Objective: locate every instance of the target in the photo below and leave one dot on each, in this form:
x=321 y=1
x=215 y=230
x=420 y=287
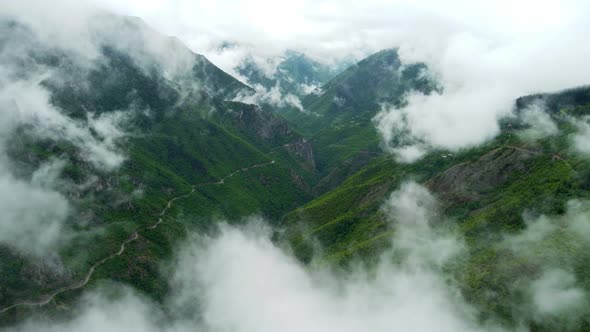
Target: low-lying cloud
x=481 y=80
x=484 y=55
x=38 y=55
x=272 y=96
x=239 y=280
x=540 y=124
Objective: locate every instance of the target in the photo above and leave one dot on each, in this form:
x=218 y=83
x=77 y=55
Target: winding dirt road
x=45 y=299
x=554 y=156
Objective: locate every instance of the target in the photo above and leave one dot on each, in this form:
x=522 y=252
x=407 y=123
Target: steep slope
x=473 y=178
x=338 y=119
x=487 y=192
x=295 y=74
x=166 y=128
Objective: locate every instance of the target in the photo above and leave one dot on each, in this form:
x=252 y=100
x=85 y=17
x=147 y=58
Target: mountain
x=167 y=130
x=339 y=118
x=118 y=150
x=293 y=73
x=488 y=192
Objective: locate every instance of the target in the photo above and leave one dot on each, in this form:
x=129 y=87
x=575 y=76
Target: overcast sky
x=339 y=27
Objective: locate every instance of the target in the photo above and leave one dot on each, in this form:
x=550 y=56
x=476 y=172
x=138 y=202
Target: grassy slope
x=537 y=177
x=178 y=144
x=339 y=120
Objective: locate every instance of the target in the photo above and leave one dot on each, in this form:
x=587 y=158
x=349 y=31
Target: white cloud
x=556 y=294
x=540 y=123
x=272 y=96
x=32 y=216
x=97 y=313
x=34 y=211
x=485 y=54
x=309 y=89
x=239 y=280
x=248 y=284
x=28 y=103
x=551 y=246
x=581 y=139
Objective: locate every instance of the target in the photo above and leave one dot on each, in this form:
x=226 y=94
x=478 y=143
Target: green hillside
x=148 y=145
x=176 y=138
x=485 y=191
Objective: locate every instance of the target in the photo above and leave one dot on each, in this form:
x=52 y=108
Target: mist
x=481 y=79
x=42 y=50
x=484 y=56
x=239 y=280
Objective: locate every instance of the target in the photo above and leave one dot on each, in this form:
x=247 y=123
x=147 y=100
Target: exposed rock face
x=265 y=125
x=269 y=128
x=299 y=182
x=467 y=182
x=302 y=150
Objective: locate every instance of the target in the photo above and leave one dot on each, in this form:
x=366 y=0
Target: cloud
x=96 y=312
x=581 y=139
x=327 y=29
x=239 y=280
x=553 y=247
x=481 y=77
x=28 y=103
x=557 y=294
x=309 y=89
x=485 y=56
x=272 y=96
x=539 y=121
x=248 y=284
x=32 y=216
x=35 y=207
x=34 y=210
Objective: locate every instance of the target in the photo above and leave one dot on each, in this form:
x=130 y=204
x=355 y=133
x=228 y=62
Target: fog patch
x=481 y=76
x=311 y=89
x=28 y=103
x=34 y=211
x=553 y=247
x=239 y=280
x=539 y=122
x=557 y=294
x=123 y=310
x=272 y=96
x=581 y=138
x=32 y=216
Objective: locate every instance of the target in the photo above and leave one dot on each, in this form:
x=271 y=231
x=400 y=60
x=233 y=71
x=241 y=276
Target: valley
x=140 y=177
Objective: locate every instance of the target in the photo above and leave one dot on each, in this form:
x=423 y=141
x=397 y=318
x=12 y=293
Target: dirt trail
x=45 y=299
x=554 y=156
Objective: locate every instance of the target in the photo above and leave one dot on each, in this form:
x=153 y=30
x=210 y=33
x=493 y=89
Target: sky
x=485 y=54
x=338 y=28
